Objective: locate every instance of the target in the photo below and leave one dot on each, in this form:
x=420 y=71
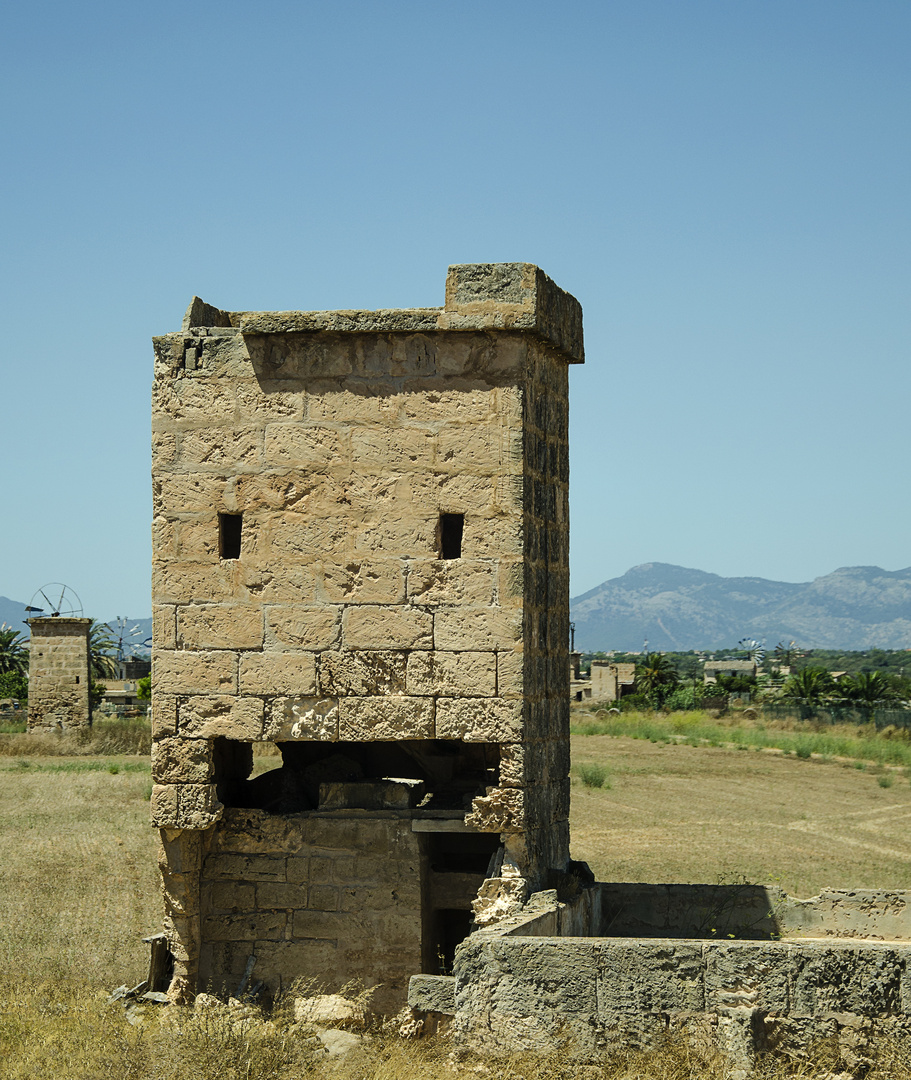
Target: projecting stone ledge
x=479 y=296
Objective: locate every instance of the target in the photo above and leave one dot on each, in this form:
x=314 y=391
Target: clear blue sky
x=724 y=185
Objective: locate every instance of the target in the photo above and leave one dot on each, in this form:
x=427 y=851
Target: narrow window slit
x=451 y=526
x=229 y=535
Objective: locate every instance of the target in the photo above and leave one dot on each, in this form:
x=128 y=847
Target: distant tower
x=59 y=676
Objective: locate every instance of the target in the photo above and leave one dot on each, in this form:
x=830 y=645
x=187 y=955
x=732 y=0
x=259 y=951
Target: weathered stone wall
x=322 y=894
x=59 y=674
x=333 y=449
x=546 y=978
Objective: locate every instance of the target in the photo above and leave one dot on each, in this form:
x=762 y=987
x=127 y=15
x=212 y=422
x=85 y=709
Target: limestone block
x=373 y=627
x=403 y=449
x=220 y=626
x=362 y=672
x=183 y=936
x=513 y=771
x=180 y=853
x=183 y=582
x=164 y=449
x=186 y=403
x=295 y=356
x=164 y=714
x=181 y=761
x=212 y=449
x=375 y=581
x=306 y=444
x=380 y=719
x=235 y=867
x=432 y=993
x=447 y=400
x=511 y=681
x=397 y=534
x=188 y=493
x=452 y=674
x=299 y=626
x=263 y=401
x=306 y=537
x=197 y=538
x=641 y=976
x=492 y=537
x=355 y=401
x=281 y=895
x=477 y=628
x=224 y=356
x=479 y=719
x=308 y=718
x=454 y=493
x=210 y=716
x=164 y=626
x=481 y=449
x=845 y=979
x=278 y=673
x=451 y=582
x=271 y=583
x=290 y=489
x=501 y=810
x=185 y=806
x=747 y=975
x=247 y=926
x=164 y=537
x=194 y=672
x=227 y=897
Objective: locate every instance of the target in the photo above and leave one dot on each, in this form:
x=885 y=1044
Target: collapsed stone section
x=361 y=555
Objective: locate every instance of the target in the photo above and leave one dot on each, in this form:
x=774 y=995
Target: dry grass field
x=78 y=891
x=684 y=813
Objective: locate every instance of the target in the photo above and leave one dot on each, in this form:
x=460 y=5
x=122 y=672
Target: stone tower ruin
x=361 y=557
x=59 y=674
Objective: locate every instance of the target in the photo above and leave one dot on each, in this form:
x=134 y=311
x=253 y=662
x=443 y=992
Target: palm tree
x=13 y=651
x=810 y=686
x=656 y=676
x=867 y=688
x=101 y=651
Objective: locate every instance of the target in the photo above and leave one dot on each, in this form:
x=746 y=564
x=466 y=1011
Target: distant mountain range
x=13 y=613
x=856 y=607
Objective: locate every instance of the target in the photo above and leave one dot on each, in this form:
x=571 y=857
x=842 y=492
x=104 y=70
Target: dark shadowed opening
x=451 y=526
x=229 y=526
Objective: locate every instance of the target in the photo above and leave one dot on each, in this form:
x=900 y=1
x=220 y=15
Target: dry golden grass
x=78 y=891
x=677 y=813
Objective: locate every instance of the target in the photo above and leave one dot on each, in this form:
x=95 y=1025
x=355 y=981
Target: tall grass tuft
x=593 y=775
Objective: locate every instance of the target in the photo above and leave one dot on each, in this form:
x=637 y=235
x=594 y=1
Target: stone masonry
x=59 y=674
x=360 y=556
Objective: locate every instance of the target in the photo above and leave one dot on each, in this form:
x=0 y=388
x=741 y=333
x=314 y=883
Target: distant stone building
x=59 y=674
x=361 y=555
x=728 y=668
x=610 y=681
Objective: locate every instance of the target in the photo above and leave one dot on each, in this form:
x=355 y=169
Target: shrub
x=593 y=775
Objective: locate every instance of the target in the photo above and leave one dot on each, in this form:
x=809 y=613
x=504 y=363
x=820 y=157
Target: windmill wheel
x=55 y=599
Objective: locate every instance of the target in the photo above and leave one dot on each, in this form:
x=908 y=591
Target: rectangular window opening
x=451 y=526
x=229 y=535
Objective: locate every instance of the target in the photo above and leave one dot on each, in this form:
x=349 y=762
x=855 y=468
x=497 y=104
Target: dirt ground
x=682 y=813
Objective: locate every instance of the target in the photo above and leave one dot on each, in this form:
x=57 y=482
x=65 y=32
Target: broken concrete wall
x=361 y=539
x=59 y=674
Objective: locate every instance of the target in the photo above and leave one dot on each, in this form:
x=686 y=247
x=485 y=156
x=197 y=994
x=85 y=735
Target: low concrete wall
x=749 y=911
x=680 y=957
